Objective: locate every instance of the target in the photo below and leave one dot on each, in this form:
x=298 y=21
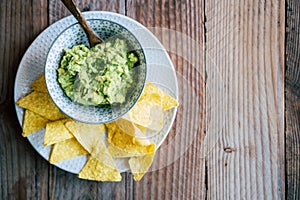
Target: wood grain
x=17 y=19
x=292 y=100
x=245 y=132
x=292 y=111
x=179 y=165
x=57 y=10
x=64 y=185
x=23 y=173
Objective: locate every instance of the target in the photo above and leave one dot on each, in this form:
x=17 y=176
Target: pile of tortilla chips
x=126 y=137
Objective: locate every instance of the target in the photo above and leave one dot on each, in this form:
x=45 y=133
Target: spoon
x=91 y=34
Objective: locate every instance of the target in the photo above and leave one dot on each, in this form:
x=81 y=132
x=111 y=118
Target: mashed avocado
x=97 y=76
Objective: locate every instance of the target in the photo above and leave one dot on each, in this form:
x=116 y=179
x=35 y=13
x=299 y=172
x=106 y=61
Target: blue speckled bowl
x=74 y=35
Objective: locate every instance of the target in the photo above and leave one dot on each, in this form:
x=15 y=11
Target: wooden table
x=236 y=135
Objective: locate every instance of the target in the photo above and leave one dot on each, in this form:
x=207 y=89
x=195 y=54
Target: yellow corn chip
x=100 y=152
x=66 y=149
x=39 y=84
x=148 y=112
x=169 y=102
x=32 y=122
x=153 y=92
x=140 y=113
x=126 y=126
x=56 y=132
x=95 y=170
x=86 y=134
x=41 y=104
x=140 y=165
x=141 y=139
x=127 y=142
x=117 y=152
x=157 y=118
x=141 y=128
x=145 y=114
x=100 y=166
x=130 y=128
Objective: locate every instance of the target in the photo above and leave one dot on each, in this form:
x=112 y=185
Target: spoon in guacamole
x=91 y=34
x=100 y=75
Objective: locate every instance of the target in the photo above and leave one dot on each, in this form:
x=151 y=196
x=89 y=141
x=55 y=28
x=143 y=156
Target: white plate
x=160 y=71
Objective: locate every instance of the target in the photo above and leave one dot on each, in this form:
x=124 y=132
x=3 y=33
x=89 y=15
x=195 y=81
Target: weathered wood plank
x=245 y=133
x=292 y=100
x=64 y=185
x=16 y=20
x=24 y=174
x=178 y=168
x=292 y=111
x=57 y=10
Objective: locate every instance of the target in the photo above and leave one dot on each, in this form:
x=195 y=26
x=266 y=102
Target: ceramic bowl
x=74 y=35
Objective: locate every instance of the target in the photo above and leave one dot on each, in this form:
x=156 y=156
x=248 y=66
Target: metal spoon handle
x=92 y=36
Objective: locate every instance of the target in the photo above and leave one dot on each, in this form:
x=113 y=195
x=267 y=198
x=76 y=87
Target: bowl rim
x=143 y=83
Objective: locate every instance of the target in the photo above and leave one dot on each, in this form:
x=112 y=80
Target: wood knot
x=229 y=149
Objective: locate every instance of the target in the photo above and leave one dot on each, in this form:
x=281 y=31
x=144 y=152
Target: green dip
x=97 y=76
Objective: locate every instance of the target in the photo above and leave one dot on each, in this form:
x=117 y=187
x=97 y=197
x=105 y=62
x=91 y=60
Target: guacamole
x=98 y=76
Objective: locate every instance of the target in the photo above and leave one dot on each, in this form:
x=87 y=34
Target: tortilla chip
x=95 y=170
x=148 y=112
x=65 y=150
x=41 y=104
x=131 y=129
x=141 y=128
x=117 y=152
x=100 y=152
x=153 y=92
x=56 y=132
x=157 y=118
x=145 y=114
x=126 y=126
x=100 y=166
x=140 y=113
x=140 y=165
x=128 y=143
x=86 y=134
x=169 y=102
x=39 y=84
x=141 y=138
x=32 y=122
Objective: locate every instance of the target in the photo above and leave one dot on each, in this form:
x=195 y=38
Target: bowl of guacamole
x=98 y=84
